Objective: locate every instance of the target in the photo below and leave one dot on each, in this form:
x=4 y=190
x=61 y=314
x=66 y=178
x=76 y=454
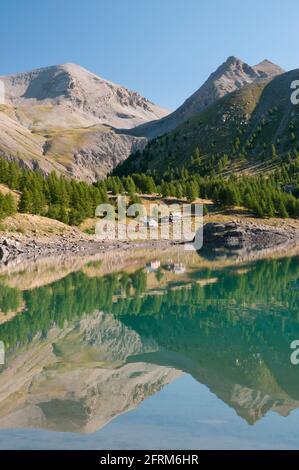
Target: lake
x=155 y=351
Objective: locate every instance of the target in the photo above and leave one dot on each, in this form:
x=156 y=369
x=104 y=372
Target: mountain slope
x=267 y=69
x=67 y=119
x=232 y=75
x=54 y=117
x=254 y=126
x=83 y=98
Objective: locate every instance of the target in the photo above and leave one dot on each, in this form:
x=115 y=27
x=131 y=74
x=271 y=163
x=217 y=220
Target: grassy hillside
x=251 y=130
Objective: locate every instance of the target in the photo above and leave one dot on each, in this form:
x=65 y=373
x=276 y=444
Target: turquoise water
x=138 y=359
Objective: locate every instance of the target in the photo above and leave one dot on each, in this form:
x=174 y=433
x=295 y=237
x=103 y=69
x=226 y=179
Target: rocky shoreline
x=14 y=249
x=230 y=239
x=243 y=240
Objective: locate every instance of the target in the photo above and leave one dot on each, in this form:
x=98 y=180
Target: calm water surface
x=165 y=357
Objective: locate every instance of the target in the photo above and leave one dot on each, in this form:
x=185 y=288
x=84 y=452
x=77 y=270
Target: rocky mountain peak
x=232 y=61
x=68 y=119
x=73 y=87
x=269 y=68
x=230 y=76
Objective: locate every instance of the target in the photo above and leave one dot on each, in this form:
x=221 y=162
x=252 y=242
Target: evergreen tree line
x=263 y=196
x=7 y=205
x=72 y=201
x=63 y=301
x=202 y=177
x=268 y=283
x=66 y=200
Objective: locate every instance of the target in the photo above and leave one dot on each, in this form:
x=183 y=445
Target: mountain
x=66 y=118
x=267 y=68
x=254 y=127
x=232 y=75
x=82 y=98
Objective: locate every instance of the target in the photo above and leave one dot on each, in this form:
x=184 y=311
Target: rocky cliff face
x=65 y=118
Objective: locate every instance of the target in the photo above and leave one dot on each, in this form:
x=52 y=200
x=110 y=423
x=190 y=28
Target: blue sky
x=164 y=49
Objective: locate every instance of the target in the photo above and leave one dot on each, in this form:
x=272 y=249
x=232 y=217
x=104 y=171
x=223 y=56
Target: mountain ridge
x=99 y=100
x=230 y=76
x=254 y=127
x=67 y=119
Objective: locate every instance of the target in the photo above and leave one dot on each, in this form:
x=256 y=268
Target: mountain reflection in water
x=83 y=350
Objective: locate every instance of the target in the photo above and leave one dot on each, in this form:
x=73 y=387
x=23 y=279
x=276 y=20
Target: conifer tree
x=25 y=204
